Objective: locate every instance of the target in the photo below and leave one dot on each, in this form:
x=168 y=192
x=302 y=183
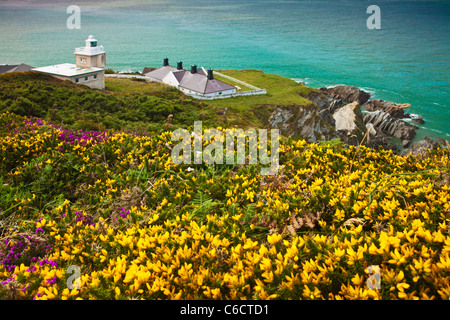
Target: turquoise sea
x=323 y=43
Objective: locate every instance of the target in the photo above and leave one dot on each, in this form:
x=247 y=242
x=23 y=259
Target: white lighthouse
x=92 y=55
x=88 y=69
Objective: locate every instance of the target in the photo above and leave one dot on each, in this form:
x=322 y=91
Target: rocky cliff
x=301 y=122
x=348 y=94
x=346 y=112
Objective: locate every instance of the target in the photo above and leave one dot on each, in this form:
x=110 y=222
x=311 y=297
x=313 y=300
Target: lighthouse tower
x=92 y=55
x=89 y=69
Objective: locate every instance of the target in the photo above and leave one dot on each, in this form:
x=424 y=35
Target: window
x=93 y=43
x=86 y=78
x=95 y=77
x=77 y=80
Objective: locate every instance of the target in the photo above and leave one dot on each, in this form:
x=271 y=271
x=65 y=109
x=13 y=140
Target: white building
x=197 y=81
x=88 y=69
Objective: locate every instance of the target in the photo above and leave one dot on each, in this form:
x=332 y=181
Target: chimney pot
x=210 y=74
x=166 y=62
x=193 y=68
x=179 y=65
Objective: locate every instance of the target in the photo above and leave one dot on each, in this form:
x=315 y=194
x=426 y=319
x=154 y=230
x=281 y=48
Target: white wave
x=371 y=91
x=365 y=89
x=439 y=131
x=298 y=80
x=127 y=71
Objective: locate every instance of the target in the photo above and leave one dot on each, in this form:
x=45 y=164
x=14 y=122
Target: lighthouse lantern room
x=91 y=55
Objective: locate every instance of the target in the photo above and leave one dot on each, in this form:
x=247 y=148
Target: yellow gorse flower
x=308 y=233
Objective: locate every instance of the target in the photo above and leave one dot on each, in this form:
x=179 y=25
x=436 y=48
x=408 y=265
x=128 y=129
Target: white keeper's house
x=197 y=81
x=88 y=69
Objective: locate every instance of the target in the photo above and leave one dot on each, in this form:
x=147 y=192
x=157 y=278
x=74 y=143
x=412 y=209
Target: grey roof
x=200 y=83
x=194 y=81
x=217 y=85
x=179 y=74
x=160 y=73
x=4 y=69
x=15 y=68
x=23 y=68
x=200 y=71
x=197 y=82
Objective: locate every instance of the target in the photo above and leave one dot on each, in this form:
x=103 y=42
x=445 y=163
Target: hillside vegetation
x=129 y=103
x=125 y=105
x=113 y=204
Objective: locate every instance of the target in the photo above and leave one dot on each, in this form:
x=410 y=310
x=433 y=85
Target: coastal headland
x=314 y=114
x=93 y=207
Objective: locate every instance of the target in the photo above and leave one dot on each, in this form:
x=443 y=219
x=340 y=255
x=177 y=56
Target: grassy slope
x=280 y=90
x=124 y=105
x=240 y=86
x=129 y=104
x=255 y=110
x=248 y=111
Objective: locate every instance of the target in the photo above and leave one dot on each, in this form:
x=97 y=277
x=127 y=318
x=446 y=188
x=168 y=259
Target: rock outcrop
x=391 y=126
x=376 y=138
x=416 y=118
x=349 y=123
x=348 y=94
x=345 y=118
x=394 y=110
x=300 y=121
x=147 y=70
x=345 y=112
x=420 y=146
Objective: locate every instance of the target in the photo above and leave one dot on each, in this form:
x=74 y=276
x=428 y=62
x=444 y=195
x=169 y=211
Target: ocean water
x=323 y=43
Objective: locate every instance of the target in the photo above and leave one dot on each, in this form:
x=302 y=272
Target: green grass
x=233 y=83
x=251 y=111
x=280 y=90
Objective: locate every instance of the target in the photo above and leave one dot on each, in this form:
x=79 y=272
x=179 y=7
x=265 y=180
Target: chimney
x=166 y=62
x=210 y=74
x=179 y=65
x=193 y=68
